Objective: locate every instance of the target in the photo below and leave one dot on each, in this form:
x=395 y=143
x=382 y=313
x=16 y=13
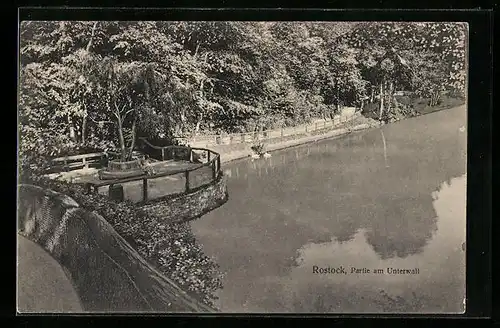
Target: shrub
x=259 y=148
x=171 y=248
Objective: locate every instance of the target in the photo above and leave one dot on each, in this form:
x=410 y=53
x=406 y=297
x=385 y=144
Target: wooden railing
x=166 y=153
x=269 y=135
x=68 y=163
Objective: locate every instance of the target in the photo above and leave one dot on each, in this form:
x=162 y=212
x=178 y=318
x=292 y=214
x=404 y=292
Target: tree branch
x=117 y=111
x=91 y=37
x=99 y=122
x=127 y=112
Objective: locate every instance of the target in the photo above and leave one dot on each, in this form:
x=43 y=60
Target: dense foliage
x=101 y=84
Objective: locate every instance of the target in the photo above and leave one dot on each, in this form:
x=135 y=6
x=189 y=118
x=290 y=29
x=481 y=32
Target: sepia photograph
x=292 y=167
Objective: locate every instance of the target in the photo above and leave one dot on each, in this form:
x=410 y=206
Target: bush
x=171 y=248
x=259 y=149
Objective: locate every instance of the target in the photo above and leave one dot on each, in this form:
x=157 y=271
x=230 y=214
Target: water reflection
x=385 y=147
x=406 y=227
x=364 y=199
x=281 y=158
x=440 y=287
x=395 y=224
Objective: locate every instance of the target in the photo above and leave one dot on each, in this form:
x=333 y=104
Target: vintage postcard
x=242 y=167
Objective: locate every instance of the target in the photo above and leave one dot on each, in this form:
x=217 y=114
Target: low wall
x=238 y=151
x=249 y=138
x=192 y=205
x=107 y=273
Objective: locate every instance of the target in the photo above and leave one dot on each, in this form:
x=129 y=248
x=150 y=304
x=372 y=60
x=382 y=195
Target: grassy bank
x=409 y=107
x=422 y=107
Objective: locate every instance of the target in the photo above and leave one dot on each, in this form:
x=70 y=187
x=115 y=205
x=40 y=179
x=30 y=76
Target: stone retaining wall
x=107 y=273
x=192 y=205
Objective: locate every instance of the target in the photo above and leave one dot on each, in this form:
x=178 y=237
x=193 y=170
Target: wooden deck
x=157 y=188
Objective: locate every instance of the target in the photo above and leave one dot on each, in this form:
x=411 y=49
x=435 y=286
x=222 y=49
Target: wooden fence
x=68 y=163
x=267 y=135
x=212 y=161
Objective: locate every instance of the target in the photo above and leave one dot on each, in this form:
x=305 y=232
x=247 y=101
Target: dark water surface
x=392 y=197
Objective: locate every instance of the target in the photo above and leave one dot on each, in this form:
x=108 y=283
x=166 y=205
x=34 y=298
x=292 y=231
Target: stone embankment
x=108 y=275
x=233 y=152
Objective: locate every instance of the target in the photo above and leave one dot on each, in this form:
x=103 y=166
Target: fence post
x=163 y=154
x=214 y=171
x=218 y=165
x=144 y=190
x=208 y=155
x=306 y=128
x=187 y=180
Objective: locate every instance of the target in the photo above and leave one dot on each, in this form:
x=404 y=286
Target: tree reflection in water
x=338 y=203
x=402 y=229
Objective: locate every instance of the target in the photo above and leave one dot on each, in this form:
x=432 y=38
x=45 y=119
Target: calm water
x=392 y=197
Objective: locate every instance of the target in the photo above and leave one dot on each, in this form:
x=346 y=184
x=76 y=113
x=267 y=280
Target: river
x=391 y=197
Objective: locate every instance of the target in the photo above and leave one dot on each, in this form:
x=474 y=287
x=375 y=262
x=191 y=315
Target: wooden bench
x=68 y=163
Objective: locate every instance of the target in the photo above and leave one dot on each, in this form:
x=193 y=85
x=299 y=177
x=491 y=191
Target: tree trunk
x=121 y=137
x=72 y=134
x=381 y=108
x=84 y=129
x=197 y=127
x=84 y=124
x=89 y=45
x=196 y=50
x=132 y=142
x=200 y=117
x=84 y=120
x=391 y=95
x=338 y=93
x=372 y=97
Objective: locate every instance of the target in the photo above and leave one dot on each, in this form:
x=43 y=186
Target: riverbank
x=231 y=153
